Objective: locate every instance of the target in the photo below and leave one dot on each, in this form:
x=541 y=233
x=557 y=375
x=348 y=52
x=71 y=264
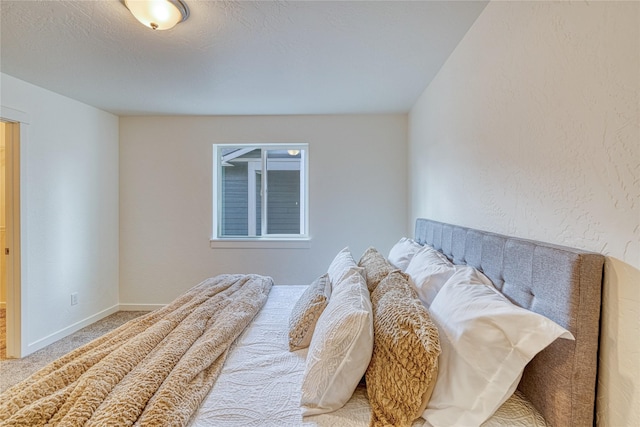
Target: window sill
x=261 y=243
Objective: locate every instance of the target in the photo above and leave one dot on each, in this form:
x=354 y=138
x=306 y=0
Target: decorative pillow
x=404 y=363
x=340 y=348
x=486 y=343
x=429 y=270
x=306 y=312
x=376 y=267
x=342 y=265
x=402 y=252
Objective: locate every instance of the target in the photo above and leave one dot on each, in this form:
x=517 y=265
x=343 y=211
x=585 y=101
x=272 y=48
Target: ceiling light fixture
x=293 y=152
x=158 y=14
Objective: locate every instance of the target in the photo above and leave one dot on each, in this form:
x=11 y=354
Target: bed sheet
x=260 y=382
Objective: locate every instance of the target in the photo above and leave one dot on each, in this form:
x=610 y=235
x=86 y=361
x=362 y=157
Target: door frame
x=15 y=299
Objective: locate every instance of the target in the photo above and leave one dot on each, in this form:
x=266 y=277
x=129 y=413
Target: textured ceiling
x=236 y=57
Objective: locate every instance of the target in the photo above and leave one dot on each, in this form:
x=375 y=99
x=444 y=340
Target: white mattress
x=260 y=382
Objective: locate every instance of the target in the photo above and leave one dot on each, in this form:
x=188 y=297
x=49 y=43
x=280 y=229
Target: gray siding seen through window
x=283 y=211
x=234 y=200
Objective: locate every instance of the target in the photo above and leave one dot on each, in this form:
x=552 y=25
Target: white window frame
x=301 y=240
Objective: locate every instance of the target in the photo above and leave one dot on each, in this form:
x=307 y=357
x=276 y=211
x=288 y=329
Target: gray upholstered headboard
x=561 y=283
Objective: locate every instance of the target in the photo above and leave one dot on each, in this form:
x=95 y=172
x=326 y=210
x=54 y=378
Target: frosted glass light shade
x=158 y=14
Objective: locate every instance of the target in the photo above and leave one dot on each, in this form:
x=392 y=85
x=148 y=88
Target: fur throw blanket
x=154 y=370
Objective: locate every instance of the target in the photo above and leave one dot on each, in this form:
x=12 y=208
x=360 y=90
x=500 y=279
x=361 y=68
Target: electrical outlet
x=74 y=298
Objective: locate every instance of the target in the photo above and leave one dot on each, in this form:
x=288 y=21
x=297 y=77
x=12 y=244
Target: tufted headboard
x=563 y=284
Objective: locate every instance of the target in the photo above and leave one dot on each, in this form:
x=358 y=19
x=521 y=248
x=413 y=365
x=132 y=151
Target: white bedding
x=260 y=382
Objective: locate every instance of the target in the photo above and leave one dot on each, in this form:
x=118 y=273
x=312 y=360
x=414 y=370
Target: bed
x=258 y=380
x=561 y=283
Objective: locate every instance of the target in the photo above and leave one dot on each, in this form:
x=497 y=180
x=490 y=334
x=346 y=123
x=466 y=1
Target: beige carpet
x=13 y=371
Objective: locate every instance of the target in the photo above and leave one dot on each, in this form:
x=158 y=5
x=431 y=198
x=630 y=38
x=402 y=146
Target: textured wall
x=531 y=129
x=357 y=197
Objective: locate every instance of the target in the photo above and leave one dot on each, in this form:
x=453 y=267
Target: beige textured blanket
x=152 y=371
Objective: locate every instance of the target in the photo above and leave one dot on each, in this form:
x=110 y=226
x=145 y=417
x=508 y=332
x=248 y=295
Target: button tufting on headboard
x=563 y=284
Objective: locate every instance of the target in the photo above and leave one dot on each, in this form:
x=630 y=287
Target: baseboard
x=50 y=339
x=140 y=307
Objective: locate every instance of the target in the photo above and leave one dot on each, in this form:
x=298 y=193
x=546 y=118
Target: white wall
x=531 y=129
x=3 y=259
x=69 y=181
x=357 y=191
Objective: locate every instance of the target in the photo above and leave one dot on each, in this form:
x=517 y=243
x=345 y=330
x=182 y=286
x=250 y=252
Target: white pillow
x=342 y=265
x=486 y=343
x=402 y=252
x=429 y=270
x=340 y=348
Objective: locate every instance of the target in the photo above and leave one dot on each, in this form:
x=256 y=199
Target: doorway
x=10 y=305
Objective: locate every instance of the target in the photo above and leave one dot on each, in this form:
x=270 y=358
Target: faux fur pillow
x=306 y=312
x=376 y=267
x=406 y=347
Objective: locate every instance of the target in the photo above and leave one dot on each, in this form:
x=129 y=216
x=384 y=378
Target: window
x=260 y=191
